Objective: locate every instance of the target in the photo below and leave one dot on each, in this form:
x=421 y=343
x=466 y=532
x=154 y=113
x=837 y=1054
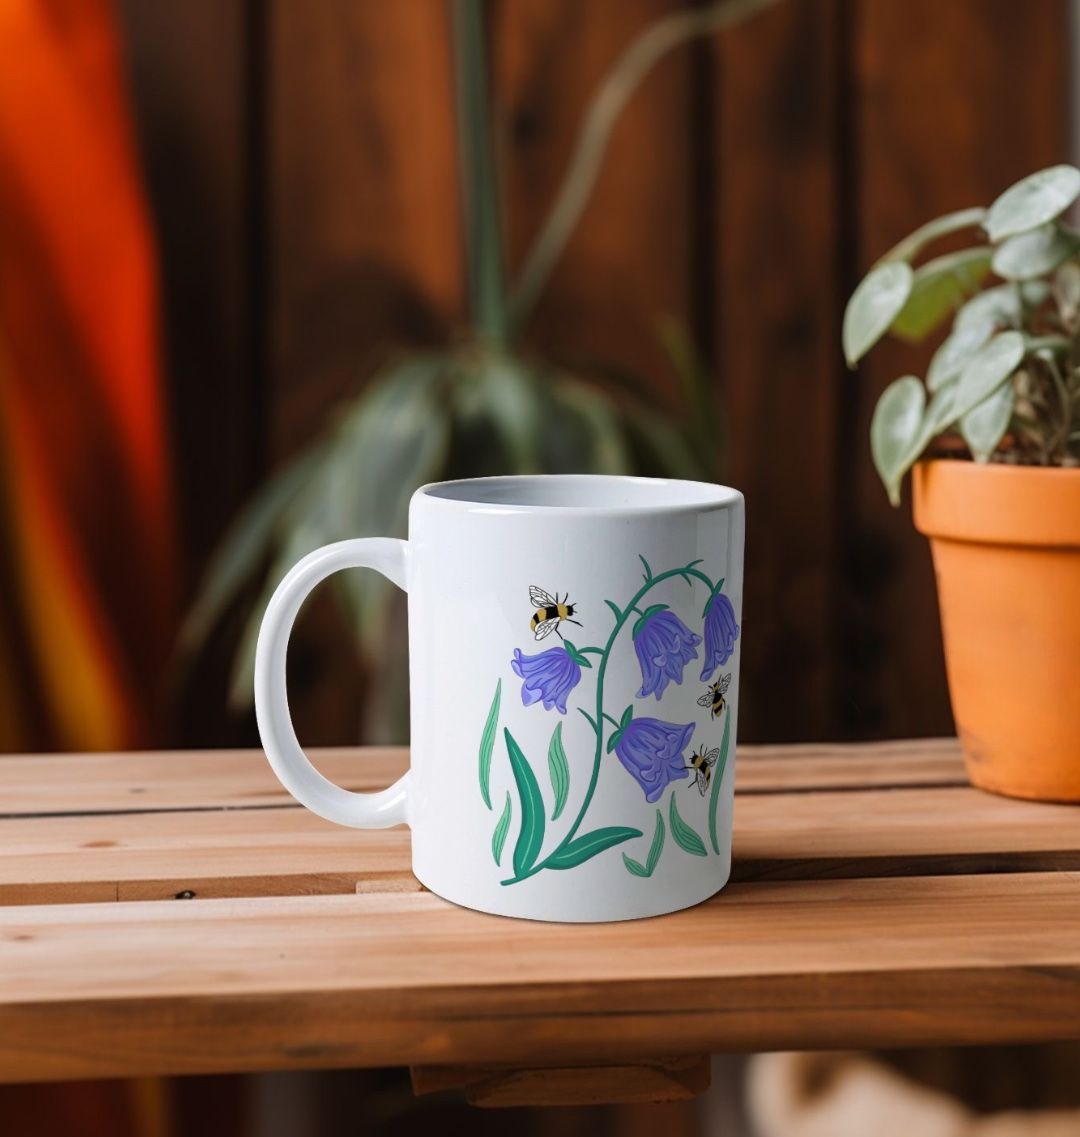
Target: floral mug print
x=602 y=789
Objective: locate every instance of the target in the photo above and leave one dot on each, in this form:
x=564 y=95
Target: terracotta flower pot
x=1006 y=547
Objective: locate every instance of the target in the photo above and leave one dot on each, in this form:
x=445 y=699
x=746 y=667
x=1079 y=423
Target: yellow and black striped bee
x=550 y=613
x=702 y=763
x=714 y=696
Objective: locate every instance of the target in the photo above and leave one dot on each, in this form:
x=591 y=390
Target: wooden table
x=177 y=913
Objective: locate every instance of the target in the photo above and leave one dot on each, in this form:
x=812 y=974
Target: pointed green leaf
x=615 y=608
x=939 y=287
x=635 y=867
x=914 y=243
x=895 y=431
x=1036 y=253
x=645 y=564
x=987 y=370
x=717 y=778
x=502 y=827
x=958 y=347
x=531 y=835
x=591 y=721
x=1033 y=201
x=873 y=307
x=487 y=745
x=657 y=845
x=559 y=769
x=685 y=835
x=984 y=426
x=588 y=845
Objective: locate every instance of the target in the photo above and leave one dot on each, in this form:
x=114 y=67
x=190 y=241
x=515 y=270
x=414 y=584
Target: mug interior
x=582 y=491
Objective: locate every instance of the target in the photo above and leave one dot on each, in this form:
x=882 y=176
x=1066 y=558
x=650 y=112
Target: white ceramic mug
x=574 y=674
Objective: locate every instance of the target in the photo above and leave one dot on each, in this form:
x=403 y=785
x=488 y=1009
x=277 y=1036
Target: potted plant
x=993 y=434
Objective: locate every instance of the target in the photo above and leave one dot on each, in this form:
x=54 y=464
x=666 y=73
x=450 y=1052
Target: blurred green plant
x=1006 y=379
x=480 y=407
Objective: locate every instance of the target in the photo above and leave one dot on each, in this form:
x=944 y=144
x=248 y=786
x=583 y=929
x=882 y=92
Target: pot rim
x=997 y=503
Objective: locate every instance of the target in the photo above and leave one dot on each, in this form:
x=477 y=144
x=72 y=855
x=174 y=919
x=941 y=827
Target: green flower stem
x=591 y=650
x=614 y=722
x=601 y=671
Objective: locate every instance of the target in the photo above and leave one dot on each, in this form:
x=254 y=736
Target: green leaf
x=914 y=243
x=1033 y=201
x=590 y=416
x=984 y=426
x=895 y=431
x=572 y=651
x=613 y=741
x=246 y=545
x=585 y=847
x=627 y=716
x=717 y=778
x=559 y=769
x=589 y=719
x=635 y=867
x=657 y=846
x=987 y=370
x=531 y=836
x=615 y=608
x=487 y=745
x=961 y=344
x=502 y=827
x=1035 y=253
x=641 y=621
x=939 y=287
x=513 y=399
x=685 y=836
x=873 y=307
x=645 y=565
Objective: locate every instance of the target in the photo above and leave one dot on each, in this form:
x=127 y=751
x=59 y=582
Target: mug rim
x=628 y=495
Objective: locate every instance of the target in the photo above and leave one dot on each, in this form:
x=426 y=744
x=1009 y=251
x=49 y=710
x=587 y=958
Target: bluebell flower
x=664 y=646
x=652 y=751
x=550 y=676
x=721 y=632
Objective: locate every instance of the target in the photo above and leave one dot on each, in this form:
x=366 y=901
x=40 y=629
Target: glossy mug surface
x=574 y=673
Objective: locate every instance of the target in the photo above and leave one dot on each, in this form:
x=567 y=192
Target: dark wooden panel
x=629 y=263
x=365 y=229
x=953 y=102
x=776 y=310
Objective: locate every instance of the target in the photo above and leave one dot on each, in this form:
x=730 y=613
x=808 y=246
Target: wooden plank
x=931 y=118
x=108 y=990
x=240 y=779
x=269 y=852
x=672 y=1079
x=776 y=254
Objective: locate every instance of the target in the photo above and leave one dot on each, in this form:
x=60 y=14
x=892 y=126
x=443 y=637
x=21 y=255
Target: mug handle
x=289 y=762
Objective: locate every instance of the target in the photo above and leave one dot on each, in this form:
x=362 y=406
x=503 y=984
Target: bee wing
x=725 y=683
x=705 y=700
x=701 y=782
x=546 y=628
x=539 y=598
x=711 y=756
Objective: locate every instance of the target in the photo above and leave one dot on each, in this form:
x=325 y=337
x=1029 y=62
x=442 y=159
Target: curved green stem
x=686 y=570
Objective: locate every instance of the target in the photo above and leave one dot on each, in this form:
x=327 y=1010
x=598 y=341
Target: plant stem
x=479 y=185
x=600 y=118
x=600 y=715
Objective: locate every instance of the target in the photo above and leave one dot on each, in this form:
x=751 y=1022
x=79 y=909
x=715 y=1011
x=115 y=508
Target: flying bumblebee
x=714 y=696
x=550 y=613
x=702 y=763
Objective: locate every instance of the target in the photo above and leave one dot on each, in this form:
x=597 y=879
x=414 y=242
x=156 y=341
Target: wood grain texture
x=938 y=123
x=777 y=94
x=90 y=990
x=662 y=1080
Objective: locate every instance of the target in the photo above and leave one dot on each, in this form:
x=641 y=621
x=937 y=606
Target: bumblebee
x=714 y=696
x=702 y=764
x=550 y=613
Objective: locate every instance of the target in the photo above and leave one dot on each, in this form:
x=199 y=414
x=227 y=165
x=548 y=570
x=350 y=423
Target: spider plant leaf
x=874 y=306
x=1033 y=201
x=1035 y=253
x=938 y=288
x=246 y=546
x=513 y=399
x=913 y=244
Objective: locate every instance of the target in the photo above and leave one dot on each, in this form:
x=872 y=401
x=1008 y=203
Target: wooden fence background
x=301 y=165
